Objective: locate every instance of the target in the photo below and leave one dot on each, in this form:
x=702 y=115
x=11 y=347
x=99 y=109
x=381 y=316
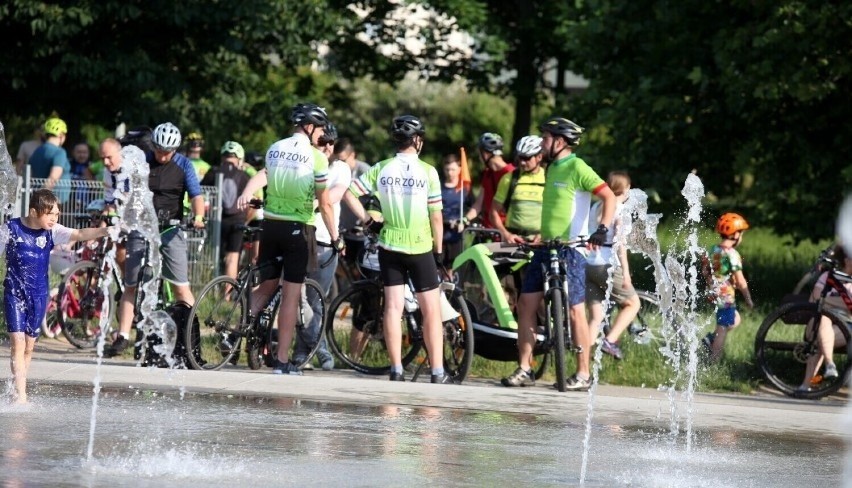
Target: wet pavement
x=57 y=363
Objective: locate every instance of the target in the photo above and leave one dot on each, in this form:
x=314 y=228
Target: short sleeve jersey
x=169 y=182
x=724 y=263
x=567 y=197
x=295 y=170
x=46 y=157
x=28 y=257
x=339 y=174
x=409 y=191
x=524 y=212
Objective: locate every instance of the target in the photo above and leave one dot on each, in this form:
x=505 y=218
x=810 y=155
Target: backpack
x=516 y=175
x=234 y=181
x=141 y=137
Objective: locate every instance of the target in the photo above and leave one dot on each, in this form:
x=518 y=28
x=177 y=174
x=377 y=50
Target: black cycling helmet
x=309 y=113
x=405 y=127
x=561 y=126
x=255 y=159
x=491 y=142
x=329 y=136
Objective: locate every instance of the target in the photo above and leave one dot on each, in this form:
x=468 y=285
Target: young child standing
x=26 y=289
x=723 y=268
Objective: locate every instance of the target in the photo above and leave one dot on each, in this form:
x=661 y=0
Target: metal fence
x=76 y=195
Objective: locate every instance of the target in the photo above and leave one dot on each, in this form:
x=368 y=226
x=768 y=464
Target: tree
x=199 y=64
x=504 y=47
x=752 y=95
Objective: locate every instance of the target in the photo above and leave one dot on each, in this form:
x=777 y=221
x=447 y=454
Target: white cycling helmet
x=528 y=146
x=166 y=137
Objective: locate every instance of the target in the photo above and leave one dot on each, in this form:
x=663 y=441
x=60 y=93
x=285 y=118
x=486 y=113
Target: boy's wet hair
x=42 y=201
x=618 y=182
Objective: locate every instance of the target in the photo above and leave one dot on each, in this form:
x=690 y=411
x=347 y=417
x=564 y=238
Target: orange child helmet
x=730 y=223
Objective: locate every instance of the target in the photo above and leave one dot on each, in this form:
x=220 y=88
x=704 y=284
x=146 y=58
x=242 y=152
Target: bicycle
x=556 y=327
x=788 y=338
x=225 y=319
x=355 y=331
x=80 y=299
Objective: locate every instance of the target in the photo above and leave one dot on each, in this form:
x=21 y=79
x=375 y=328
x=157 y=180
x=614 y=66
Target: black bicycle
x=355 y=330
x=224 y=316
x=787 y=342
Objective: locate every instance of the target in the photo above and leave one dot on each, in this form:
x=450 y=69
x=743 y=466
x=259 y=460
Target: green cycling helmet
x=55 y=126
x=234 y=148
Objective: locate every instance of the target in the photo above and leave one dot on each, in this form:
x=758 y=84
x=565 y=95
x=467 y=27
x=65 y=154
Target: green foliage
x=453 y=116
x=751 y=95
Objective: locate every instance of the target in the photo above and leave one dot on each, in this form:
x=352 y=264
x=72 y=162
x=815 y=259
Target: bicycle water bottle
x=410 y=301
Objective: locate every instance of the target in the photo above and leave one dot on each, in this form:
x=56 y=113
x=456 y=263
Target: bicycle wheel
x=221 y=319
x=556 y=322
x=787 y=339
x=310 y=323
x=258 y=340
x=458 y=338
x=81 y=302
x=355 y=332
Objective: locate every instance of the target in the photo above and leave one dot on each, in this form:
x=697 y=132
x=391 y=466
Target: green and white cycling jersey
x=569 y=186
x=295 y=169
x=409 y=191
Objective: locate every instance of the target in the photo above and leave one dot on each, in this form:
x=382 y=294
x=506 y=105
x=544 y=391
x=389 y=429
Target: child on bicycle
x=29 y=241
x=828 y=339
x=723 y=269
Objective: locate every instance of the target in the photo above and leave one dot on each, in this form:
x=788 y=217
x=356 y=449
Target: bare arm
x=474 y=210
x=89 y=233
x=326 y=209
x=496 y=208
x=197 y=209
x=742 y=285
x=355 y=205
x=436 y=221
x=256 y=182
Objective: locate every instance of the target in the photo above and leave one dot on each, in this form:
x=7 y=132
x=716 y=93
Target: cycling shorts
x=396 y=268
x=232 y=236
x=293 y=240
x=576 y=268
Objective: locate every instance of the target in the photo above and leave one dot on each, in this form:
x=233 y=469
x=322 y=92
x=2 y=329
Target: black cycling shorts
x=295 y=242
x=396 y=267
x=232 y=237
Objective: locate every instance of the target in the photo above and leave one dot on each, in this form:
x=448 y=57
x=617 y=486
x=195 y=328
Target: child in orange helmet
x=723 y=268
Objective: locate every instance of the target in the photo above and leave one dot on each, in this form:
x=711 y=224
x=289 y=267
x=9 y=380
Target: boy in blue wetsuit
x=27 y=243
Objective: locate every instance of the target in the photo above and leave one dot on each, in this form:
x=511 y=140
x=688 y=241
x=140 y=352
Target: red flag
x=464 y=178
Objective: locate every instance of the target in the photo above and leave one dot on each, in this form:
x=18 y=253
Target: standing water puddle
x=152 y=439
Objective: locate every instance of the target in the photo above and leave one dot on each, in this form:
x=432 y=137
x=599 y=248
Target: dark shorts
x=24 y=312
x=232 y=236
x=576 y=268
x=295 y=242
x=396 y=267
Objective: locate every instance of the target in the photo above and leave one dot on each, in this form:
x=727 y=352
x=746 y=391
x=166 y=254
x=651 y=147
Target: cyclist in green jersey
x=296 y=172
x=569 y=186
x=518 y=194
x=410 y=196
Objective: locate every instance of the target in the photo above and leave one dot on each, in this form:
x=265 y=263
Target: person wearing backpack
x=519 y=194
x=234 y=181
